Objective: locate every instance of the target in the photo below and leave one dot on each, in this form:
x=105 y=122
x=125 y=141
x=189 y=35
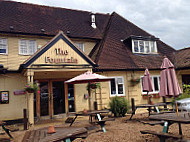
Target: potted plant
x=134 y=81
x=93 y=86
x=32 y=88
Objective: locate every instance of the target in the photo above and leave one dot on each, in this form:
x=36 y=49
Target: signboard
x=4 y=97
x=19 y=92
x=61 y=57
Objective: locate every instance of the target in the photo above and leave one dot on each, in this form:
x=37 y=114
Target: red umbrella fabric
x=88 y=77
x=147 y=84
x=169 y=86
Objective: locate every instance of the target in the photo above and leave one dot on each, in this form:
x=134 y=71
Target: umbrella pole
x=176 y=108
x=149 y=99
x=89 y=98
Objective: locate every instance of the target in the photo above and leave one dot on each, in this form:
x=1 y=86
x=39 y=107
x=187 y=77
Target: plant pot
x=31 y=90
x=145 y=97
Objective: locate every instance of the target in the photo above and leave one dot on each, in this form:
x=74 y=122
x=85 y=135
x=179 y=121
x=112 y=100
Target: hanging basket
x=30 y=90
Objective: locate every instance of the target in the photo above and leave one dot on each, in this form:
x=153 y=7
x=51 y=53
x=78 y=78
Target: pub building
x=50 y=45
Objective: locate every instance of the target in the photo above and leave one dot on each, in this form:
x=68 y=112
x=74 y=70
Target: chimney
x=93 y=21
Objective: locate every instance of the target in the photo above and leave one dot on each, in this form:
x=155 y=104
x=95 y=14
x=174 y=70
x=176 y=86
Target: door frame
x=50 y=102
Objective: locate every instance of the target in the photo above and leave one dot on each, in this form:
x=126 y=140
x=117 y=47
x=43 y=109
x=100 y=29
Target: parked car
x=184 y=104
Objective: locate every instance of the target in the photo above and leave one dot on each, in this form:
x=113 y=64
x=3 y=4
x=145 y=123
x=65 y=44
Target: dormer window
x=144 y=46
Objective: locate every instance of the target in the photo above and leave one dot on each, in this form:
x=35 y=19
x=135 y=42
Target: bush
x=119 y=106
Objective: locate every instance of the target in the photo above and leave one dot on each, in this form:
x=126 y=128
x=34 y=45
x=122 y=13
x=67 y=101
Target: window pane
x=136 y=49
x=113 y=86
x=152 y=46
x=147 y=47
x=23 y=46
x=141 y=45
x=3 y=45
x=120 y=88
x=2 y=50
x=156 y=84
x=32 y=46
x=80 y=46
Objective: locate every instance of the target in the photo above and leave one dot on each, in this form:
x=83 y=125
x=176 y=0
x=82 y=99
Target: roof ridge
x=140 y=28
x=183 y=49
x=55 y=7
x=103 y=39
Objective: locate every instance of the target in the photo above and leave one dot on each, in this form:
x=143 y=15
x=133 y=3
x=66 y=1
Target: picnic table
x=96 y=113
x=170 y=118
x=148 y=106
x=89 y=113
x=2 y=124
x=61 y=134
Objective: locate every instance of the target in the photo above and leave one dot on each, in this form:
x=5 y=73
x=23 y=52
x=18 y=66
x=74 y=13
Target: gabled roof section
x=114 y=54
x=182 y=58
x=59 y=36
x=41 y=20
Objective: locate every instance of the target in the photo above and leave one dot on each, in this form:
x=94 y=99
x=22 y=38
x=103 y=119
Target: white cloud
x=167 y=19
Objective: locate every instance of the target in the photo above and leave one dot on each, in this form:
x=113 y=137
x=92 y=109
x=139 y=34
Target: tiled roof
x=30 y=19
x=183 y=58
x=113 y=54
x=110 y=53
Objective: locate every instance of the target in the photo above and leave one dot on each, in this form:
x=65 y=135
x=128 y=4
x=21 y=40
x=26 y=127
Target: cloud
x=167 y=19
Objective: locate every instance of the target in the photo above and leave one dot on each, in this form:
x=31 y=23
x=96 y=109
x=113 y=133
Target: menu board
x=4 y=97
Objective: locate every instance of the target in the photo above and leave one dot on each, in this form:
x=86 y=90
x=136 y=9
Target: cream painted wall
x=13 y=60
x=13 y=110
x=130 y=90
x=88 y=45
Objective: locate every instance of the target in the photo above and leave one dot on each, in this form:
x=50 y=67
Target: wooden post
x=25 y=119
x=89 y=98
x=66 y=98
x=38 y=105
x=50 y=89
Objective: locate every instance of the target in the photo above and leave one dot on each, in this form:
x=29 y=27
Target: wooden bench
x=102 y=122
x=162 y=136
x=2 y=124
x=152 y=123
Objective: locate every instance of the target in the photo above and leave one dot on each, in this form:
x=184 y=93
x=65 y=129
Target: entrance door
x=71 y=98
x=58 y=97
x=44 y=99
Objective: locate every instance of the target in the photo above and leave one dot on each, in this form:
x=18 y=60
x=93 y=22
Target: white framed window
x=80 y=45
x=117 y=87
x=27 y=47
x=3 y=46
x=144 y=46
x=155 y=83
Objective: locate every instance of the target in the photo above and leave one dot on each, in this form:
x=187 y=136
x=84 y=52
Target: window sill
x=6 y=54
x=145 y=53
x=121 y=95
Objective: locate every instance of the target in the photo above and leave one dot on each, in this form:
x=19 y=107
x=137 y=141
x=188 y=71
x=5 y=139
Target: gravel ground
x=120 y=130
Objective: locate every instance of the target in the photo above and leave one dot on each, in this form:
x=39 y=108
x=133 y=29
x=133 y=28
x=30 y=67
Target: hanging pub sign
x=4 y=97
x=61 y=57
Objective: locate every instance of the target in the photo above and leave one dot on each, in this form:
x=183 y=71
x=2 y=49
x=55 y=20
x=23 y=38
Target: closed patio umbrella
x=88 y=77
x=169 y=86
x=147 y=84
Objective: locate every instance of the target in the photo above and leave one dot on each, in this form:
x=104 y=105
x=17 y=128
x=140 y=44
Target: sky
x=168 y=20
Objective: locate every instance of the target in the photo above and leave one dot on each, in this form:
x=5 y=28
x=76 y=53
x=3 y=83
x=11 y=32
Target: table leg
x=149 y=109
x=180 y=130
x=7 y=131
x=165 y=129
x=68 y=140
x=73 y=120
